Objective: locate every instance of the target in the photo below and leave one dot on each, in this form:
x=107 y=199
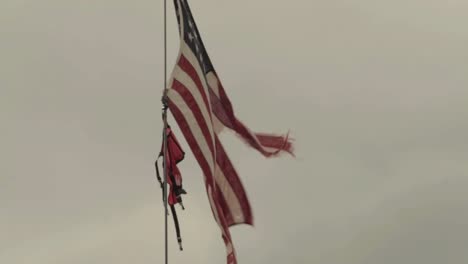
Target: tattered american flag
x=202 y=109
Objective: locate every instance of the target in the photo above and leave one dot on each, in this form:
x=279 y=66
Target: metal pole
x=164 y=116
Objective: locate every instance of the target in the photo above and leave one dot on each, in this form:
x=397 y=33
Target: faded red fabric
x=174 y=154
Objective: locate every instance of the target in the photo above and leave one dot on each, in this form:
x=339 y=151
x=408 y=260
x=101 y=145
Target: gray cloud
x=374 y=93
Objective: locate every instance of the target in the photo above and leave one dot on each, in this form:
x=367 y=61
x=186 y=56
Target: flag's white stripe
x=213 y=82
x=193 y=126
x=227 y=191
x=270 y=149
x=171 y=78
x=182 y=32
x=229 y=196
x=192 y=58
x=217 y=125
x=225 y=187
x=215 y=209
x=266 y=149
x=188 y=82
x=229 y=247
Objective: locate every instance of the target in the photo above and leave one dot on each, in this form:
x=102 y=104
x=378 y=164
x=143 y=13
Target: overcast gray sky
x=375 y=93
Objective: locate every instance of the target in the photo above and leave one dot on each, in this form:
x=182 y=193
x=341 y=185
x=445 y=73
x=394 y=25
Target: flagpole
x=164 y=117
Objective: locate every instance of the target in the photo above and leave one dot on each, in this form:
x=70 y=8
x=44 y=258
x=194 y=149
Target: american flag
x=202 y=109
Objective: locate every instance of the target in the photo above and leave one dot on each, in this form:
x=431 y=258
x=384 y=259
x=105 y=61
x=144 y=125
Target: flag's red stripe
x=209 y=179
x=224 y=206
x=185 y=128
x=233 y=179
x=188 y=68
x=222 y=108
x=278 y=142
x=221 y=156
x=218 y=109
x=195 y=108
x=226 y=115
